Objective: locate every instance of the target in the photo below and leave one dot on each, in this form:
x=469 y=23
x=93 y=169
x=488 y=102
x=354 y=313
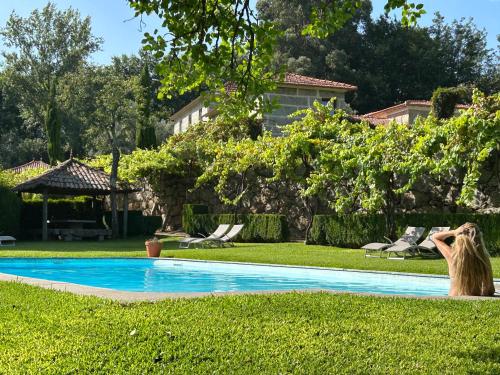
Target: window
x=325 y=101
x=189 y=119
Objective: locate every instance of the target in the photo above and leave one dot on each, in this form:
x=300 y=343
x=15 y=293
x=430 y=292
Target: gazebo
x=74 y=178
x=34 y=164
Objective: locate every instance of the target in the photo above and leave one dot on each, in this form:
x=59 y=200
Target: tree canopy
x=365 y=52
x=43 y=48
x=213 y=42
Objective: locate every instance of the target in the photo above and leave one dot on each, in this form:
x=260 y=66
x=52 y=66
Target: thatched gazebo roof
x=73 y=178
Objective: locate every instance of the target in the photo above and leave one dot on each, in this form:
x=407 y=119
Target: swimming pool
x=187 y=276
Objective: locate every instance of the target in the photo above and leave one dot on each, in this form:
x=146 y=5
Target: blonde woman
x=468 y=260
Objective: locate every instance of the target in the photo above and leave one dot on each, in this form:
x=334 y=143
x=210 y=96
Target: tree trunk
x=113 y=181
x=311 y=211
x=390 y=208
x=456 y=187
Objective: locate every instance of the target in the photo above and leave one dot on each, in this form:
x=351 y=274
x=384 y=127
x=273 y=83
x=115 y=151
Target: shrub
x=444 y=100
x=357 y=230
x=60 y=209
x=347 y=231
x=83 y=208
x=190 y=224
x=138 y=224
x=258 y=227
x=10 y=209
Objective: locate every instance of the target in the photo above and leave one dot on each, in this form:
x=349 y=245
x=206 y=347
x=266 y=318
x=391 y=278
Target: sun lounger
x=225 y=239
x=411 y=236
x=218 y=233
x=425 y=248
x=229 y=236
x=7 y=241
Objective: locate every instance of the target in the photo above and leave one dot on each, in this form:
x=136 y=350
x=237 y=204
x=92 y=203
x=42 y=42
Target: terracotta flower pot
x=153 y=248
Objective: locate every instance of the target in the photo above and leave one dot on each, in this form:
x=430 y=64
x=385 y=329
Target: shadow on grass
x=488 y=357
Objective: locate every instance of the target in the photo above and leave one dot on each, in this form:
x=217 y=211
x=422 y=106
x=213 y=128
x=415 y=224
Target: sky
x=114 y=21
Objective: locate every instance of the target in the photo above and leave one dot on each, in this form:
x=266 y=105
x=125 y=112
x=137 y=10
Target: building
x=34 y=164
x=296 y=92
x=404 y=113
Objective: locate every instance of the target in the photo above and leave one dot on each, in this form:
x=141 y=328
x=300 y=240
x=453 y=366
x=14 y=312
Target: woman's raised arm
x=445 y=249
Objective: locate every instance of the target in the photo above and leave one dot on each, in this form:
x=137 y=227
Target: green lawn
x=44 y=331
x=280 y=253
x=47 y=332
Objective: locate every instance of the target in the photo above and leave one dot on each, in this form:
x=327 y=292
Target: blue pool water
x=183 y=276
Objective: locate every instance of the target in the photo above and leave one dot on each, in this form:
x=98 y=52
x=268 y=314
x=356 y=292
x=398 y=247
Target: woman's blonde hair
x=471 y=262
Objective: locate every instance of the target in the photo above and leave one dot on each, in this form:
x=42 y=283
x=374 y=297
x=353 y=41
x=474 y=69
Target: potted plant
x=153 y=247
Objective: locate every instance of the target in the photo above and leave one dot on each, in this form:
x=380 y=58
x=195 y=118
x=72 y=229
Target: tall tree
x=43 y=48
x=145 y=131
x=53 y=127
x=365 y=51
x=114 y=109
x=18 y=143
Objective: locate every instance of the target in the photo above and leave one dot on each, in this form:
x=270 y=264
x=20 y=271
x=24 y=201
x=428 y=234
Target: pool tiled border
x=125 y=296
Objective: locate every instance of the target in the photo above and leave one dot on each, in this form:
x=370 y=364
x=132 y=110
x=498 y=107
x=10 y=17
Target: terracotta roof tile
x=34 y=164
x=73 y=178
x=300 y=80
x=382 y=113
x=297 y=79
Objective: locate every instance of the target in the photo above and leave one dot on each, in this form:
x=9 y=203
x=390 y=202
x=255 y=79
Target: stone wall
x=282 y=197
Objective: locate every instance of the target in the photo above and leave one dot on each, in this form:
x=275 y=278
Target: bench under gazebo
x=74 y=178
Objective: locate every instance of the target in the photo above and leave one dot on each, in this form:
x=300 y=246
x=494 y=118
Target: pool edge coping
x=128 y=296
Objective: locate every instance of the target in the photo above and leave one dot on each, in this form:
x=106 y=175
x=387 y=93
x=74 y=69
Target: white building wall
x=290 y=100
x=190 y=117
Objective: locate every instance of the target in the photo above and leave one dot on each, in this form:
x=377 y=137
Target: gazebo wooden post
x=45 y=215
x=125 y=214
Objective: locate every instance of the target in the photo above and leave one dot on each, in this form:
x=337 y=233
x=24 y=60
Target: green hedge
x=84 y=209
x=355 y=231
x=138 y=224
x=189 y=223
x=10 y=211
x=258 y=227
x=60 y=209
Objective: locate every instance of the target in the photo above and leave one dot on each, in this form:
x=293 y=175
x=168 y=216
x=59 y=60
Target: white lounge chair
x=218 y=233
x=411 y=236
x=229 y=236
x=427 y=248
x=7 y=241
x=424 y=248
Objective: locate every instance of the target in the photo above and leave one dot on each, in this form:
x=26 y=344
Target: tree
x=19 y=143
x=427 y=57
x=460 y=50
x=145 y=132
x=213 y=42
x=44 y=47
x=114 y=109
x=53 y=127
x=466 y=143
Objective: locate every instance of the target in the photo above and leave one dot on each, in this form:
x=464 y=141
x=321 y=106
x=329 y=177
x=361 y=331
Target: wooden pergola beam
x=45 y=216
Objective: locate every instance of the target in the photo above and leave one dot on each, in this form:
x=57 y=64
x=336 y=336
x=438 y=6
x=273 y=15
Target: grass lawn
x=280 y=253
x=44 y=331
